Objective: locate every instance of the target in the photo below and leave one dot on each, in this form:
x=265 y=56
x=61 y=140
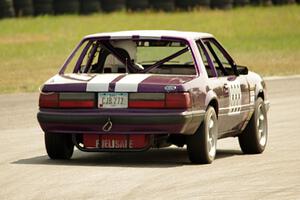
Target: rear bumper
x=133 y=122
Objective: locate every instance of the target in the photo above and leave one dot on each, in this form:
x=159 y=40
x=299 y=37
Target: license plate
x=112 y=100
x=115 y=141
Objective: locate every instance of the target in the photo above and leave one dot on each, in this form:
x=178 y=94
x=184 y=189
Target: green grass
x=267 y=39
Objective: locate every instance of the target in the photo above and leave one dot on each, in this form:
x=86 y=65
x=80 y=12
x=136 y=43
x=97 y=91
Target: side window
x=76 y=57
x=208 y=67
x=90 y=62
x=84 y=63
x=222 y=64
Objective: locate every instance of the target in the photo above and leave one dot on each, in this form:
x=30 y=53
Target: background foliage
x=267 y=39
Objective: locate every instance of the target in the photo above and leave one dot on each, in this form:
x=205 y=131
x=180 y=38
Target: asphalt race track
x=27 y=173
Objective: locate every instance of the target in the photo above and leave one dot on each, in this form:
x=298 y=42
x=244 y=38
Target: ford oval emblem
x=170 y=88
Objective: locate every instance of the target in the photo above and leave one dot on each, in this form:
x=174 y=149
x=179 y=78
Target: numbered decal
x=235 y=97
x=252 y=97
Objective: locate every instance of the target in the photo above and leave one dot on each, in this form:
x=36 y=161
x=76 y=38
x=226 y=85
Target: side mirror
x=242 y=70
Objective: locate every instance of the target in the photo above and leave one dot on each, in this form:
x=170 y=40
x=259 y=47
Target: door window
x=222 y=62
x=206 y=58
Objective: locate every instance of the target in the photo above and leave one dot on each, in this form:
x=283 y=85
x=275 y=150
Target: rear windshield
x=128 y=56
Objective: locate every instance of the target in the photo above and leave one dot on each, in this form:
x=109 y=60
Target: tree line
x=19 y=8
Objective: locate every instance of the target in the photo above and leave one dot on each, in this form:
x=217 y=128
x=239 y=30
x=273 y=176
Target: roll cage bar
x=105 y=44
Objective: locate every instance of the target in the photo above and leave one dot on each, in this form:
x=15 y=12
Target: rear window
x=128 y=56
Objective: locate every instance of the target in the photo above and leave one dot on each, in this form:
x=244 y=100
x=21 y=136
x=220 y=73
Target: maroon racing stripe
x=112 y=85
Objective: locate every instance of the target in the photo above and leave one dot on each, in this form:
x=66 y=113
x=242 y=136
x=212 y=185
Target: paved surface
x=27 y=173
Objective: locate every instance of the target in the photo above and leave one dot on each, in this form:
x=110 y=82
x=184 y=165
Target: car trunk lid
x=116 y=83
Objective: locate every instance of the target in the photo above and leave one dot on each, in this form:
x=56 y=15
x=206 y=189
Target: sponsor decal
x=235 y=97
x=114 y=141
x=170 y=88
x=252 y=97
x=111 y=144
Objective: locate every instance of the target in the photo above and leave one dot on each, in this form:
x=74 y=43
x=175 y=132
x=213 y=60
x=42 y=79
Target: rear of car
x=120 y=94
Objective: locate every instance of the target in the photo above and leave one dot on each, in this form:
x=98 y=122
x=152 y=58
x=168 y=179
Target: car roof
x=151 y=34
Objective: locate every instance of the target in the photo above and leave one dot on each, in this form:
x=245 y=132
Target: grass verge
x=267 y=39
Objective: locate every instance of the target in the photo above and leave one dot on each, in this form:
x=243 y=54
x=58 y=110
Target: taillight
x=159 y=100
x=146 y=104
x=146 y=100
x=67 y=100
x=178 y=100
x=136 y=100
x=76 y=100
x=76 y=104
x=48 y=100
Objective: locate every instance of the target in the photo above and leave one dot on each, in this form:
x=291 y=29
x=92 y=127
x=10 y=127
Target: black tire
x=113 y=5
x=66 y=6
x=89 y=6
x=240 y=3
x=43 y=7
x=282 y=2
x=6 y=9
x=165 y=5
x=200 y=150
x=190 y=4
x=23 y=7
x=59 y=146
x=261 y=2
x=252 y=140
x=137 y=5
x=256 y=2
x=221 y=4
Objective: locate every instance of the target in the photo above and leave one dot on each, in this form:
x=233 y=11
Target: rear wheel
x=202 y=146
x=59 y=146
x=253 y=140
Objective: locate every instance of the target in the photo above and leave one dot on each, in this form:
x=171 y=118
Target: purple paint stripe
x=112 y=85
x=70 y=87
x=194 y=57
x=98 y=38
x=81 y=57
x=210 y=63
